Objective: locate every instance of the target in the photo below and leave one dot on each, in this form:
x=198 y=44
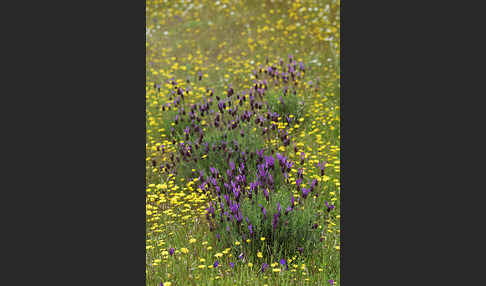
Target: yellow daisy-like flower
x=219 y=254
x=167 y=283
x=237 y=243
x=276 y=270
x=262 y=238
x=192 y=240
x=184 y=250
x=250 y=264
x=259 y=254
x=209 y=248
x=202 y=266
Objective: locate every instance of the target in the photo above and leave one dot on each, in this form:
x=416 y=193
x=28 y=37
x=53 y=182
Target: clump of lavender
x=249 y=187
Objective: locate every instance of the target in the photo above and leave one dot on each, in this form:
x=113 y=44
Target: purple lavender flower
x=262 y=173
x=300 y=173
x=260 y=154
x=274 y=222
x=284 y=263
x=266 y=194
x=250 y=227
x=321 y=167
x=264 y=266
x=239 y=218
x=270 y=180
x=298 y=182
x=216 y=263
x=234 y=208
x=236 y=192
x=232 y=264
x=331 y=281
x=269 y=162
x=171 y=251
x=329 y=207
x=302 y=157
x=288 y=165
x=305 y=192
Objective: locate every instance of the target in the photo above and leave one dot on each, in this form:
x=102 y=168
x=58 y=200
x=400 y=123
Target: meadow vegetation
x=242 y=142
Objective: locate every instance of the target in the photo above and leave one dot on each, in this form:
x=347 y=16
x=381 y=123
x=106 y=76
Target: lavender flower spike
x=321 y=167
x=284 y=263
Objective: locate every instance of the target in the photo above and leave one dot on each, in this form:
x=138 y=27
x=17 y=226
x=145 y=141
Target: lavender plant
x=221 y=141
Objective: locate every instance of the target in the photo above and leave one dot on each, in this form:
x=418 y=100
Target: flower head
x=251 y=229
x=329 y=207
x=321 y=166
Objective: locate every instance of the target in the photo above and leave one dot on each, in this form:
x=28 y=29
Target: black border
x=81 y=96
